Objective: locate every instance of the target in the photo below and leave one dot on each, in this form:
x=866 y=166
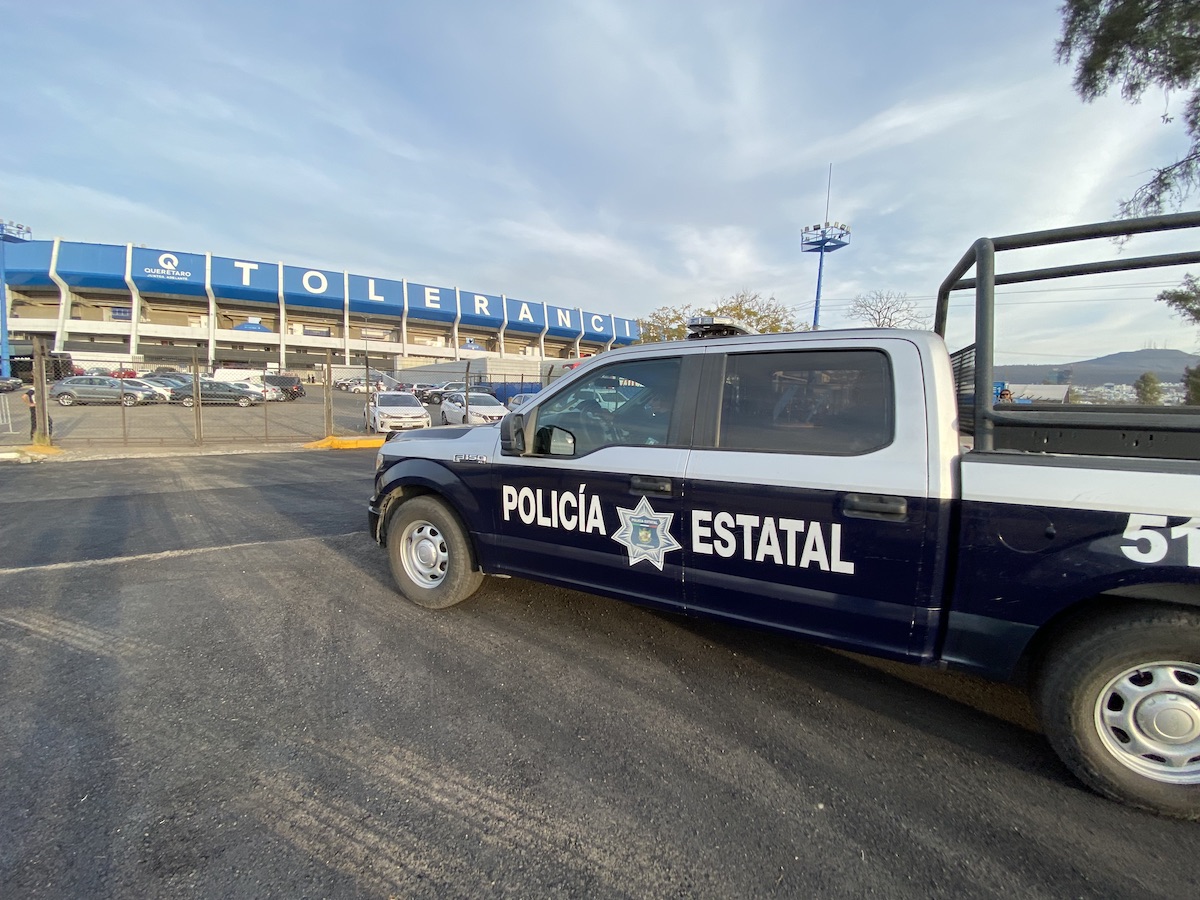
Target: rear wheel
x=128 y=400
x=66 y=399
x=189 y=401
x=431 y=559
x=1120 y=703
x=445 y=421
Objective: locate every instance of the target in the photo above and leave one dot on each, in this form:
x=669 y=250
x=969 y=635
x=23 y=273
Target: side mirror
x=512 y=434
x=554 y=441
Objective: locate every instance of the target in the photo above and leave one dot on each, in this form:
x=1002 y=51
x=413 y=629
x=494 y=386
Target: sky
x=615 y=155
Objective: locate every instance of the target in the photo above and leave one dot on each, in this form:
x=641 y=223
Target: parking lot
x=170 y=424
x=209 y=686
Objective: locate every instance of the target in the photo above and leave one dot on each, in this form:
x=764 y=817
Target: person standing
x=31 y=402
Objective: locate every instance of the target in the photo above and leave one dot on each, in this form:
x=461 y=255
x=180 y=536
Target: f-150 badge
x=645 y=533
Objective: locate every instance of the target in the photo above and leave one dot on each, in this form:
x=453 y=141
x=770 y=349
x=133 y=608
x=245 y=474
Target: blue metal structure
x=275 y=290
x=823 y=239
x=9 y=233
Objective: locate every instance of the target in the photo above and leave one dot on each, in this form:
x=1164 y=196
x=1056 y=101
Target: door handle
x=875 y=506
x=651 y=484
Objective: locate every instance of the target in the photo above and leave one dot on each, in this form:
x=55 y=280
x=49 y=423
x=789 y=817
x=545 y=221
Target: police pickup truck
x=859 y=489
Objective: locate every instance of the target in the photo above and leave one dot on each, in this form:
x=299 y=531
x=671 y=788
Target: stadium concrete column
x=135 y=303
x=404 y=318
x=545 y=328
x=346 y=315
x=612 y=324
x=578 y=337
x=504 y=323
x=212 y=312
x=457 y=319
x=64 y=298
x=282 y=324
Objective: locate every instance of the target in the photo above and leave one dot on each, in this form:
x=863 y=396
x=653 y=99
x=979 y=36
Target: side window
x=826 y=402
x=624 y=404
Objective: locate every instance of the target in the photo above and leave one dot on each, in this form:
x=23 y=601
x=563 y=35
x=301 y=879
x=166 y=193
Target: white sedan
x=394 y=411
x=471 y=409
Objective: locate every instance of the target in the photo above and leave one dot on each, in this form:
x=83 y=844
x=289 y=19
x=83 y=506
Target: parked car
x=519 y=399
x=161 y=391
x=483 y=409
x=98 y=370
x=263 y=391
x=214 y=392
x=421 y=390
x=124 y=373
x=10 y=384
x=289 y=384
x=99 y=389
x=394 y=411
x=437 y=393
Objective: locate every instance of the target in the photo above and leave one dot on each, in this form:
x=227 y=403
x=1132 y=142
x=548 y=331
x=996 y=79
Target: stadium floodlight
x=822 y=240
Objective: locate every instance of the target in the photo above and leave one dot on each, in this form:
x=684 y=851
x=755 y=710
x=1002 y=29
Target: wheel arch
x=1091 y=611
x=418 y=478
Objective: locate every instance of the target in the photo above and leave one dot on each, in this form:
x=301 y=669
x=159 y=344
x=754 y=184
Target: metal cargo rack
x=1137 y=431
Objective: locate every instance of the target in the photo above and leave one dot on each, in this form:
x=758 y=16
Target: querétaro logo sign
x=168 y=267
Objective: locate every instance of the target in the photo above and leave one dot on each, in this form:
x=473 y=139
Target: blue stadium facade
x=126 y=304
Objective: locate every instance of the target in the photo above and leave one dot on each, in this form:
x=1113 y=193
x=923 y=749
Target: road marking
x=166 y=554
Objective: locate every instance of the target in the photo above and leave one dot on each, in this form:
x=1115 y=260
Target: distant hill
x=1117 y=368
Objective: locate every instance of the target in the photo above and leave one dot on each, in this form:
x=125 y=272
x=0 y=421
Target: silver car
x=99 y=389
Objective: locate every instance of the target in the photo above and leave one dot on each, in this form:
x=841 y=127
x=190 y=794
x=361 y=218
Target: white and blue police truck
x=845 y=487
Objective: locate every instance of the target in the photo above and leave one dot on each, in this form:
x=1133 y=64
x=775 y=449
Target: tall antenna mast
x=822 y=239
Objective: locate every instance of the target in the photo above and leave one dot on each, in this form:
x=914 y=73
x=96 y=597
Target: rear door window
x=833 y=403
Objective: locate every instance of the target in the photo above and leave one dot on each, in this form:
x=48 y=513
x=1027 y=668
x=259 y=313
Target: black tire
x=243 y=401
x=1120 y=703
x=445 y=421
x=128 y=400
x=66 y=399
x=432 y=562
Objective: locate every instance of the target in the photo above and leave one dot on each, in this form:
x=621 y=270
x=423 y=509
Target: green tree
x=1138 y=44
x=887 y=309
x=1148 y=389
x=763 y=314
x=1191 y=383
x=1184 y=299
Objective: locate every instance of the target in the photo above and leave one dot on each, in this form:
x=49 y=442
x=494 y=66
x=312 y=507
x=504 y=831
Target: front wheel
x=1120 y=704
x=243 y=401
x=431 y=559
x=445 y=421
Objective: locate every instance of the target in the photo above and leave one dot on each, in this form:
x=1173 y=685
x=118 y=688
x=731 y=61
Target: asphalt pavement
x=209 y=687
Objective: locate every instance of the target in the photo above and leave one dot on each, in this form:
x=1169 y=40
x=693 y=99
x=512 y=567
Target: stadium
x=133 y=307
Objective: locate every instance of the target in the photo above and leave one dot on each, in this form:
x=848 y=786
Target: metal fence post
x=196 y=403
x=41 y=397
x=328 y=394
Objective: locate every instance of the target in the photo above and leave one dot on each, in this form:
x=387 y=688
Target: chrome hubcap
x=1149 y=719
x=424 y=554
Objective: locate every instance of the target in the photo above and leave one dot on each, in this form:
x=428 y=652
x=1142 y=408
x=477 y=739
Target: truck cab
x=844 y=487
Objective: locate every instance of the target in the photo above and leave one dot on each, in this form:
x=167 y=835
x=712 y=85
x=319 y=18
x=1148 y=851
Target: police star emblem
x=645 y=533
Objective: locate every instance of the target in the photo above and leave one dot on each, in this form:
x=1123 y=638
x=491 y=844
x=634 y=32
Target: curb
x=32 y=453
x=345 y=443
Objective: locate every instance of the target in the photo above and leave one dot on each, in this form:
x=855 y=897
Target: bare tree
x=887 y=309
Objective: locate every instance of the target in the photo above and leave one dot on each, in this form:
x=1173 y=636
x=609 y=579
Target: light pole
x=10 y=233
x=823 y=239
